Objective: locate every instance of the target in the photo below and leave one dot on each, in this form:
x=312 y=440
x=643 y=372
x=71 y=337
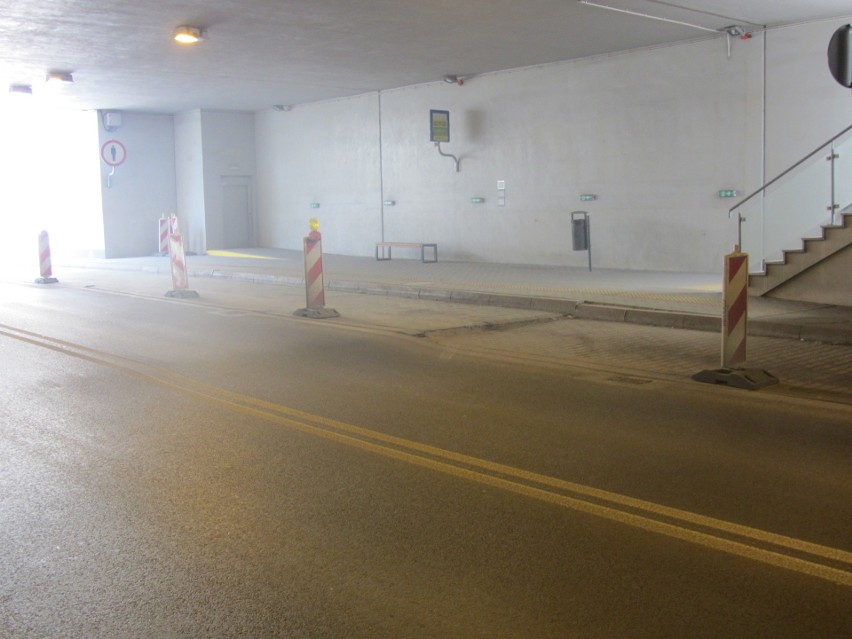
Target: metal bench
x=387 y=247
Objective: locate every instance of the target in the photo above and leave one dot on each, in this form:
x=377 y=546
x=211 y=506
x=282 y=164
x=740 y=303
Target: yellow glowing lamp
x=313 y=223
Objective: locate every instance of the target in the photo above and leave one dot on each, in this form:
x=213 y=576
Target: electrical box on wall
x=112 y=119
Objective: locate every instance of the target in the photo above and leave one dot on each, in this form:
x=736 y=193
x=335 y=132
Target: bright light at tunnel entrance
x=51 y=181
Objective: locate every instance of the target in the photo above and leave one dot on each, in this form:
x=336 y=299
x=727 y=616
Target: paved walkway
x=683 y=300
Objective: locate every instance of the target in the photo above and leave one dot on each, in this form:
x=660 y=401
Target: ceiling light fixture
x=20 y=89
x=188 y=35
x=58 y=77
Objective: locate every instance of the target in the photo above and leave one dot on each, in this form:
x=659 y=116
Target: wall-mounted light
x=281 y=107
x=58 y=77
x=477 y=200
x=588 y=197
x=188 y=35
x=389 y=202
x=314 y=205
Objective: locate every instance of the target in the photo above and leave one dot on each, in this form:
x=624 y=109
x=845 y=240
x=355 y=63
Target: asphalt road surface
x=182 y=469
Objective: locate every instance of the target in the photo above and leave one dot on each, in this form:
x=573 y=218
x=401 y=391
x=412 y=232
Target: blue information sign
x=439 y=126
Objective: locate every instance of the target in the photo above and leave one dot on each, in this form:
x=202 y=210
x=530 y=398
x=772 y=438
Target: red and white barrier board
x=164 y=235
x=45 y=264
x=735 y=315
x=314 y=285
x=177 y=261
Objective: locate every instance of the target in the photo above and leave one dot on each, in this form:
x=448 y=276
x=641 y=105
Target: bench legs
x=386 y=255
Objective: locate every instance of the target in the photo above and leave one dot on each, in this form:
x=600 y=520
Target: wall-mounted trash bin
x=581 y=233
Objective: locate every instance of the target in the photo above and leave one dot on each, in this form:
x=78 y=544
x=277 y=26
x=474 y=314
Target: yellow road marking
x=234 y=254
x=766 y=547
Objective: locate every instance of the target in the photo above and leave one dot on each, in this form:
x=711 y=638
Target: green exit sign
x=728 y=193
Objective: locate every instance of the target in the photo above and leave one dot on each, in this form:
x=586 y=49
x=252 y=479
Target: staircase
x=805 y=274
x=776 y=223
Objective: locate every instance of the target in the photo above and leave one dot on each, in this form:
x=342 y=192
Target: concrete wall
x=210 y=146
x=325 y=153
x=142 y=188
x=228 y=150
x=805 y=105
x=189 y=170
x=653 y=133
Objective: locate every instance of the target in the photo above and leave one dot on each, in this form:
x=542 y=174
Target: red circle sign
x=113 y=152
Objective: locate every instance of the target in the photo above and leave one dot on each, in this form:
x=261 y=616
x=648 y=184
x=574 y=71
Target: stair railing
x=797 y=202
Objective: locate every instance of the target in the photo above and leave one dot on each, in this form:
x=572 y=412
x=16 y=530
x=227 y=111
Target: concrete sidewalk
x=681 y=300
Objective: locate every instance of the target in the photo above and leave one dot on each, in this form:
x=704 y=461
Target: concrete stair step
x=796 y=261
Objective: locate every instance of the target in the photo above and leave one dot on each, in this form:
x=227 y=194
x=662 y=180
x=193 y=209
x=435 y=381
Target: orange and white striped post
x=164 y=235
x=735 y=331
x=45 y=265
x=314 y=285
x=177 y=261
x=735 y=313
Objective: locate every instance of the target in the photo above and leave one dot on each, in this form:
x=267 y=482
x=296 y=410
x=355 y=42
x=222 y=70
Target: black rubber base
x=317 y=313
x=183 y=294
x=747 y=378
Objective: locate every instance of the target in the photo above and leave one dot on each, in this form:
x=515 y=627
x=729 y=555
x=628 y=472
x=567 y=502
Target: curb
x=577 y=309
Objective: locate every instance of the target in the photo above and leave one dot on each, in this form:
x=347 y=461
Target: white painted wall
x=227 y=143
x=654 y=133
x=805 y=105
x=189 y=171
x=142 y=188
x=209 y=146
x=326 y=153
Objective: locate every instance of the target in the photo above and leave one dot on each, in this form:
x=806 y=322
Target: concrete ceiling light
x=188 y=35
x=58 y=77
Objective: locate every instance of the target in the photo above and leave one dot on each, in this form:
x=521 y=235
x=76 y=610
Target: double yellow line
x=803 y=557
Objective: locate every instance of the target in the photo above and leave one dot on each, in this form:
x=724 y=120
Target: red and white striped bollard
x=164 y=235
x=45 y=265
x=177 y=262
x=735 y=316
x=314 y=285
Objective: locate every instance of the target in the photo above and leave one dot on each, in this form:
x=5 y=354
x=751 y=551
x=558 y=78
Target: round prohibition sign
x=113 y=152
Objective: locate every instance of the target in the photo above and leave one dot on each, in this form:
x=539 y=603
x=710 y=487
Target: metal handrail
x=775 y=179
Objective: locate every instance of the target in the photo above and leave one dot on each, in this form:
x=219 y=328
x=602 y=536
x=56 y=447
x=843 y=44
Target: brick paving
x=804 y=368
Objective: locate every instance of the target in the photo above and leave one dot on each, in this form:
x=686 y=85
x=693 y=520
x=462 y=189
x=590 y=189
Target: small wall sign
x=439 y=126
x=113 y=152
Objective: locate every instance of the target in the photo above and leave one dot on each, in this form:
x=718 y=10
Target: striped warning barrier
x=177 y=258
x=164 y=235
x=735 y=331
x=177 y=261
x=735 y=315
x=314 y=287
x=45 y=265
